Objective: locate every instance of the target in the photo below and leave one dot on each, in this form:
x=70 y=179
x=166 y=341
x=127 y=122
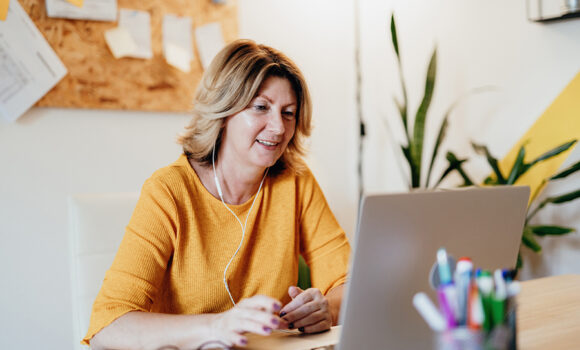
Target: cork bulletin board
x=99 y=81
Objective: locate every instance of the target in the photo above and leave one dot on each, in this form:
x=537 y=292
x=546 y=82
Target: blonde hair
x=227 y=87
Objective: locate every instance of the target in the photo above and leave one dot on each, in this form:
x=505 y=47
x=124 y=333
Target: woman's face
x=258 y=135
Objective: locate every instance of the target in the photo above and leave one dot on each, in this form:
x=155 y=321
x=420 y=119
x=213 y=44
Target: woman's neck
x=237 y=184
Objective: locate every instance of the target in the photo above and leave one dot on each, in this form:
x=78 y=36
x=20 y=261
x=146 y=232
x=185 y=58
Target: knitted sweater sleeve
x=323 y=243
x=132 y=282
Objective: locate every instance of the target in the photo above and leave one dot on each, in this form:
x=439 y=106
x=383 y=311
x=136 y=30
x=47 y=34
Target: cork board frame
x=97 y=80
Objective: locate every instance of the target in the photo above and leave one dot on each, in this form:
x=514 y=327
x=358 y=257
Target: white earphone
x=219 y=189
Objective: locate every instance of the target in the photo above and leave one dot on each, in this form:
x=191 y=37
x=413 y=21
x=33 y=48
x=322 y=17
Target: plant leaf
x=394 y=35
x=406 y=153
x=440 y=137
x=570 y=196
x=516 y=168
x=493 y=162
x=529 y=240
x=553 y=152
x=466 y=180
x=567 y=197
x=401 y=106
x=421 y=115
x=412 y=169
x=520 y=262
x=455 y=164
x=452 y=166
x=543 y=230
x=572 y=169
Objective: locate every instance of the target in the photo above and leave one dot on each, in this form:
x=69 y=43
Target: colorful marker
x=462 y=277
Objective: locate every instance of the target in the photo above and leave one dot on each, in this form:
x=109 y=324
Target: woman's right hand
x=258 y=314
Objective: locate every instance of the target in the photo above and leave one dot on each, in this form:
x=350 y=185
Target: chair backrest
x=97 y=225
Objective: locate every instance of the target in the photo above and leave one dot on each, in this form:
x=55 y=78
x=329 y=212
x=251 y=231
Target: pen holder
x=500 y=337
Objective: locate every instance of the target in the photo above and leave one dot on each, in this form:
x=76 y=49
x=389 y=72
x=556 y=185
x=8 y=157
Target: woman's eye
x=288 y=114
x=260 y=107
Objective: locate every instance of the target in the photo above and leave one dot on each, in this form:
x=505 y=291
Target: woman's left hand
x=308 y=311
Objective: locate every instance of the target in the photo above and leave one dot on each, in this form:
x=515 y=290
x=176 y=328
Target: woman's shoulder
x=298 y=178
x=177 y=173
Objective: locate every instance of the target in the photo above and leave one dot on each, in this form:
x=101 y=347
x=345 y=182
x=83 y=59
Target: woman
x=211 y=251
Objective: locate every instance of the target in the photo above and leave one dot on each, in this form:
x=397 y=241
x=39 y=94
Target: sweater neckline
x=183 y=161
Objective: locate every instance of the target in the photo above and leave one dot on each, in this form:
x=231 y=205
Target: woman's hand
x=251 y=315
x=309 y=310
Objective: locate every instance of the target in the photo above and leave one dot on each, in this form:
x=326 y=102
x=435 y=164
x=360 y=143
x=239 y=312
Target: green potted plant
x=520 y=167
x=413 y=150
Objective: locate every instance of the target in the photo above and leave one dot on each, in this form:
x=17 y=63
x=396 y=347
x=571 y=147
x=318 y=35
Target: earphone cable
x=243 y=227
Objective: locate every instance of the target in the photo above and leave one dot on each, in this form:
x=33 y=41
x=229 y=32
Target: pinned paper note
x=77 y=3
x=120 y=42
x=95 y=10
x=138 y=24
x=29 y=67
x=210 y=41
x=4 y=9
x=178 y=57
x=177 y=47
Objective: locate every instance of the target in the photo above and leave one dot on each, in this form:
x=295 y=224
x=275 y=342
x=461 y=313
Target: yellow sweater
x=180 y=239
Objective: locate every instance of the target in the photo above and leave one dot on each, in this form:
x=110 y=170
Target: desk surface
x=549 y=313
x=548 y=317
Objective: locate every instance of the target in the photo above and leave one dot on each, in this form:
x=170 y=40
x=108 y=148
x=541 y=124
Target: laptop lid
x=395 y=248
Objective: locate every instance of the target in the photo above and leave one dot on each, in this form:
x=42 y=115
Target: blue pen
x=443 y=266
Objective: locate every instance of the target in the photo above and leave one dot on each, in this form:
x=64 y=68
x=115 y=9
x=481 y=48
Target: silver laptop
x=395 y=248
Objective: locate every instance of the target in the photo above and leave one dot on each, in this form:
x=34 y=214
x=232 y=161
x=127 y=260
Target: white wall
x=319 y=37
x=49 y=153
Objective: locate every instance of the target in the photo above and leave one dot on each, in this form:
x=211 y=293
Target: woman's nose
x=276 y=123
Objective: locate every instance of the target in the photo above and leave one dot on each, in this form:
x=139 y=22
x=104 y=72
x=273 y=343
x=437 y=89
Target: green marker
x=499 y=298
x=485 y=284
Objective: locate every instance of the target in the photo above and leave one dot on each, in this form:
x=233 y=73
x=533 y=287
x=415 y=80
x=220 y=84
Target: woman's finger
x=311 y=319
x=261 y=302
x=301 y=299
x=266 y=319
x=250 y=326
x=320 y=326
x=302 y=312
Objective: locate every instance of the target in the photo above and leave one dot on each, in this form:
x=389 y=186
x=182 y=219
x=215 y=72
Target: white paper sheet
x=178 y=58
x=138 y=24
x=29 y=67
x=120 y=42
x=177 y=38
x=95 y=10
x=210 y=41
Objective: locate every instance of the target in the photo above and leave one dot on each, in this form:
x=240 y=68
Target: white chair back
x=97 y=225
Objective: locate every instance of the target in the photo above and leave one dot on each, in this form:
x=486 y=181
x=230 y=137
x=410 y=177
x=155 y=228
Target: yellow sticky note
x=560 y=123
x=4 y=9
x=77 y=3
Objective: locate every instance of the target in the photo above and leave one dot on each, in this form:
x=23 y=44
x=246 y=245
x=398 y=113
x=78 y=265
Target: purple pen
x=446 y=294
